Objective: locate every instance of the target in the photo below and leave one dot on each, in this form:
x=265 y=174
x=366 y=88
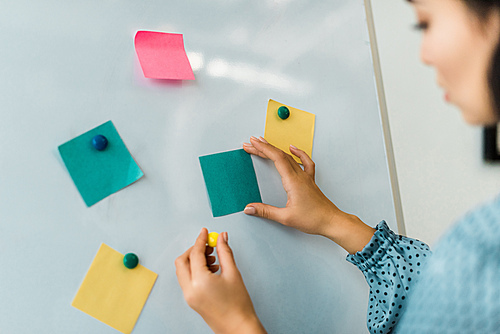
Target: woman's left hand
x=307 y=208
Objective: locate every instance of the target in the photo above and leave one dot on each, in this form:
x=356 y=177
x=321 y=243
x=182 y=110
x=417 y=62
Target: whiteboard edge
x=391 y=161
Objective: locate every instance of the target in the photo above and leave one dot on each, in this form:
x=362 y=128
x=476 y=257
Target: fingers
x=197 y=256
x=284 y=163
x=182 y=269
x=262 y=149
x=197 y=259
x=226 y=258
x=250 y=149
x=208 y=250
x=210 y=260
x=214 y=268
x=309 y=166
x=266 y=211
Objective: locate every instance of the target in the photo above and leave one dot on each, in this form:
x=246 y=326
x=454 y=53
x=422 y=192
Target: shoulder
x=454 y=293
x=476 y=231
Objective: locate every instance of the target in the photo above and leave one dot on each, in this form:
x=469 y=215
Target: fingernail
x=225 y=236
x=263 y=140
x=254 y=138
x=293 y=147
x=250 y=210
x=247 y=144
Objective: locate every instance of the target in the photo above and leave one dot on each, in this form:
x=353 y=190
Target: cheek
x=456 y=66
x=467 y=77
x=439 y=51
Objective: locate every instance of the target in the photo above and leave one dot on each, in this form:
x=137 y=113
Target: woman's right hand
x=221 y=299
x=307 y=208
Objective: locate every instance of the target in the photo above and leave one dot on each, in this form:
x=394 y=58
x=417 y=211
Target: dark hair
x=482 y=9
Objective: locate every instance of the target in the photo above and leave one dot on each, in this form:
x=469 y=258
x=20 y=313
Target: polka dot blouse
x=391 y=265
x=456 y=290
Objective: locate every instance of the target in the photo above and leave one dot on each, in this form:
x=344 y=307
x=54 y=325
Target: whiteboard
x=69 y=66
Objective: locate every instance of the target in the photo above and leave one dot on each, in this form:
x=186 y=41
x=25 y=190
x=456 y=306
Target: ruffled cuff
x=376 y=249
x=391 y=265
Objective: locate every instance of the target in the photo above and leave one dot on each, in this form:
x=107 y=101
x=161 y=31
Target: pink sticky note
x=162 y=55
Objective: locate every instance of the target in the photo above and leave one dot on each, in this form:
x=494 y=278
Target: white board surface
x=68 y=66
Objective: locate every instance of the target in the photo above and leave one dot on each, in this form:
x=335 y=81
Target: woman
x=457 y=289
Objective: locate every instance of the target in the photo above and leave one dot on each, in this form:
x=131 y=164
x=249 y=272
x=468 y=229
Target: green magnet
x=130 y=260
x=283 y=112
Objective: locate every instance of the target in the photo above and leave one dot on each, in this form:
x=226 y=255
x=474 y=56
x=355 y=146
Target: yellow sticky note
x=112 y=293
x=296 y=130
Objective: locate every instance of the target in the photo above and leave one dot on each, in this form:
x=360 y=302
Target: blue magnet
x=99 y=142
x=283 y=112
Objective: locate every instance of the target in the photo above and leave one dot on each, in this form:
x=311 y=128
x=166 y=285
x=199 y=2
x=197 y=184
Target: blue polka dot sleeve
x=391 y=265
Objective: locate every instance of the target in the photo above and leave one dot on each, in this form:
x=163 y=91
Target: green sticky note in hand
x=231 y=181
x=99 y=173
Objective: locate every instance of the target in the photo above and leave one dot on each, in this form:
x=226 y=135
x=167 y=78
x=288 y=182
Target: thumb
x=225 y=254
x=265 y=211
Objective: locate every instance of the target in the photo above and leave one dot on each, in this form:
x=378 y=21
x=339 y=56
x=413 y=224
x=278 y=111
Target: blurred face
x=460 y=46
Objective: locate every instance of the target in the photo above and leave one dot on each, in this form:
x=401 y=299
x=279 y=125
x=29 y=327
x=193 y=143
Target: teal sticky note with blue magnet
x=99 y=163
x=230 y=180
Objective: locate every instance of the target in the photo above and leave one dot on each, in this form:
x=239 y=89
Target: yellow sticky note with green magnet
x=287 y=126
x=113 y=293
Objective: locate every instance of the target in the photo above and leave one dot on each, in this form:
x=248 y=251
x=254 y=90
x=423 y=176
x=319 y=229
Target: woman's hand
x=307 y=208
x=221 y=299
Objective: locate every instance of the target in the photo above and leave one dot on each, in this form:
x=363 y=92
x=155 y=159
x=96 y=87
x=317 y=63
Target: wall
x=438 y=156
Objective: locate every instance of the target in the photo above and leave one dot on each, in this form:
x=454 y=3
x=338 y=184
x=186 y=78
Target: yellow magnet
x=212 y=239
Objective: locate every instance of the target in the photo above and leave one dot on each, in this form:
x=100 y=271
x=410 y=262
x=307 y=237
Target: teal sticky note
x=98 y=174
x=231 y=181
